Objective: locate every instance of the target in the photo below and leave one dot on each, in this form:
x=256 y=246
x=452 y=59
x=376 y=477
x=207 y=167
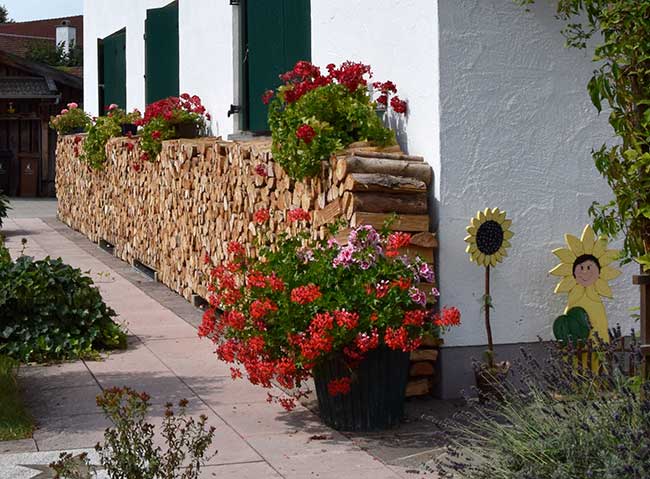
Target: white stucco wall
x=205 y=51
x=399 y=39
x=517 y=128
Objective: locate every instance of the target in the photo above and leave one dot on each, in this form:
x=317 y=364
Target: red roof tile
x=43 y=28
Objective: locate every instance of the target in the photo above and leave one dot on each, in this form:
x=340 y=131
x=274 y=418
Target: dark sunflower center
x=489 y=237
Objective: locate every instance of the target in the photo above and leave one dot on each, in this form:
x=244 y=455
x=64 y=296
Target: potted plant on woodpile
x=347 y=315
x=312 y=115
x=488 y=240
x=126 y=121
x=71 y=120
x=170 y=118
x=94 y=146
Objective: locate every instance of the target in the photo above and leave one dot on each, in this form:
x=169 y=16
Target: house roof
x=12 y=88
x=44 y=29
x=41 y=70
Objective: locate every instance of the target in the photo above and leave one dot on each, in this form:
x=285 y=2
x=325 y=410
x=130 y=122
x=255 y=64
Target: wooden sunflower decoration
x=489 y=237
x=585 y=271
x=488 y=241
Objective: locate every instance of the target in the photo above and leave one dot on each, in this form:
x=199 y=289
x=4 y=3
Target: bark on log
x=359 y=164
x=385 y=183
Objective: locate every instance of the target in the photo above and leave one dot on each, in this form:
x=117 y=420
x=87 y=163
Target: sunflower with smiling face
x=488 y=237
x=585 y=271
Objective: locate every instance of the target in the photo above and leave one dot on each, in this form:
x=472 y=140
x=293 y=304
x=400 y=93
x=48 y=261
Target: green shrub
x=70 y=119
x=15 y=423
x=4 y=207
x=556 y=421
x=50 y=310
x=105 y=128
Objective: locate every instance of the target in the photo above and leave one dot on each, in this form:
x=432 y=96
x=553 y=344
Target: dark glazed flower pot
x=376 y=398
x=187 y=130
x=129 y=128
x=75 y=131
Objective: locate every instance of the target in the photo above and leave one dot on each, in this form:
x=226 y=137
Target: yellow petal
x=600 y=247
x=480 y=259
x=562 y=269
x=495 y=214
x=608 y=273
x=506 y=224
x=588 y=239
x=574 y=245
x=476 y=222
x=481 y=216
x=470 y=239
x=608 y=257
x=472 y=248
x=565 y=255
x=507 y=234
x=506 y=244
x=492 y=260
x=488 y=214
x=503 y=252
x=499 y=256
x=567 y=284
x=592 y=294
x=576 y=294
x=603 y=288
x=501 y=217
x=472 y=229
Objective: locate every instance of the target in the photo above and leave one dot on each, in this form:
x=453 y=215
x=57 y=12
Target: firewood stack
x=202 y=193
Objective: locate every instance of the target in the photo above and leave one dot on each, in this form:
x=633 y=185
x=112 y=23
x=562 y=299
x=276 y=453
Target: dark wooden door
x=20 y=140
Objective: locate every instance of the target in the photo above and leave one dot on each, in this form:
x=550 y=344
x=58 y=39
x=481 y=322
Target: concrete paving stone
x=135 y=359
x=356 y=464
x=251 y=470
x=33 y=465
x=190 y=358
x=71 y=432
x=221 y=391
x=55 y=376
x=153 y=330
x=275 y=447
x=257 y=419
x=161 y=386
x=20 y=445
x=62 y=402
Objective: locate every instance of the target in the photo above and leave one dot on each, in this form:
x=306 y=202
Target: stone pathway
x=166 y=359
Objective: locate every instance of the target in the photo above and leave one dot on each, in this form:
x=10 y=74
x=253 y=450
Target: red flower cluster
x=399 y=106
x=414 y=317
x=266 y=97
x=236 y=248
x=298 y=214
x=350 y=74
x=385 y=89
x=260 y=308
x=447 y=317
x=366 y=342
x=260 y=169
x=396 y=241
x=339 y=386
x=305 y=294
x=398 y=338
x=261 y=216
x=346 y=319
x=305 y=133
x=169 y=108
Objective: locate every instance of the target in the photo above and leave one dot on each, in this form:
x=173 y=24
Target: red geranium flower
x=261 y=216
x=266 y=97
x=399 y=106
x=447 y=317
x=305 y=294
x=305 y=133
x=298 y=214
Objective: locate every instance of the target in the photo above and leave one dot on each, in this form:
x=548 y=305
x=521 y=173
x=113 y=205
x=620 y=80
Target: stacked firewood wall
x=202 y=193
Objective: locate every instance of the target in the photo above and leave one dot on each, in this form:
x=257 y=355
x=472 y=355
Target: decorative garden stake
x=585 y=270
x=488 y=241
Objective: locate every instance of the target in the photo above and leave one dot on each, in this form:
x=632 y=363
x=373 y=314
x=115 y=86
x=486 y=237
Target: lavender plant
x=556 y=420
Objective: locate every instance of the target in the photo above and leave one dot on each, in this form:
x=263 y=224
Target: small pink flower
x=64 y=111
x=73 y=105
x=112 y=106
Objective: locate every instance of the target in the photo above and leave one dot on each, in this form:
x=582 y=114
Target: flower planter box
x=76 y=131
x=129 y=128
x=187 y=130
x=376 y=398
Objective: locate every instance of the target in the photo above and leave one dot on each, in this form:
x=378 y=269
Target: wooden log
x=424 y=355
x=385 y=183
x=386 y=155
x=359 y=164
x=397 y=223
x=328 y=214
x=425 y=240
x=388 y=202
x=417 y=387
x=422 y=368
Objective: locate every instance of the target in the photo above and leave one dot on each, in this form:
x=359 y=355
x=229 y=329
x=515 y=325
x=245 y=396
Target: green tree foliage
x=4 y=15
x=46 y=52
x=620 y=30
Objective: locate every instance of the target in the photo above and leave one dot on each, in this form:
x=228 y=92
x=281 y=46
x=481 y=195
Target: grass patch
x=15 y=423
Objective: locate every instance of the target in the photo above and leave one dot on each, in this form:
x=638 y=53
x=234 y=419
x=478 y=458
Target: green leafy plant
x=15 y=422
x=312 y=115
x=291 y=307
x=555 y=420
x=121 y=116
x=70 y=120
x=94 y=146
x=50 y=311
x=621 y=81
x=128 y=450
x=163 y=120
x=4 y=207
x=45 y=51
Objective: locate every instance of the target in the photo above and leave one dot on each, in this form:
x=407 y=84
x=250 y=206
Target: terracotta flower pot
x=376 y=397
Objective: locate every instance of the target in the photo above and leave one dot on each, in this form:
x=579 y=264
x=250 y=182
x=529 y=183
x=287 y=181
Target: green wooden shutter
x=278 y=34
x=161 y=53
x=114 y=72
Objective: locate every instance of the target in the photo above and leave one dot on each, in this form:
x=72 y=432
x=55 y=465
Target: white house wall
x=205 y=51
x=517 y=129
